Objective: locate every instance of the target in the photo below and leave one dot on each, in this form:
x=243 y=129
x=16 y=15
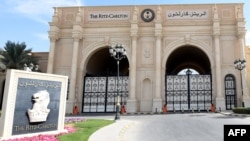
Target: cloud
x=40 y=7
x=42 y=36
x=39 y=10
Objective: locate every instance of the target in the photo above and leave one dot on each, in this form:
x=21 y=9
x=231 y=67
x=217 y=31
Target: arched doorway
x=188 y=80
x=100 y=82
x=230 y=92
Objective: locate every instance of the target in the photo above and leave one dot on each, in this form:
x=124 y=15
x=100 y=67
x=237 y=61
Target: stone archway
x=188 y=91
x=100 y=82
x=188 y=57
x=102 y=64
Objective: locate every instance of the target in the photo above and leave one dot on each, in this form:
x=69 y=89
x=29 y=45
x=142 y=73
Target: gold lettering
x=27 y=128
x=18 y=128
x=34 y=127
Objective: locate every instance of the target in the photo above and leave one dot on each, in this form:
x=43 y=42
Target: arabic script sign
x=37 y=106
x=187 y=14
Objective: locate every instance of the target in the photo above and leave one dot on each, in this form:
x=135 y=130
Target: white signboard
x=187 y=14
x=108 y=15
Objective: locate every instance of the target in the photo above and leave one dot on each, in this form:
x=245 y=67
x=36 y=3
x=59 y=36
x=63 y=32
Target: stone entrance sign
x=34 y=103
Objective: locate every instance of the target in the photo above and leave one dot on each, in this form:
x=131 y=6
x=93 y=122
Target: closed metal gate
x=230 y=91
x=100 y=93
x=188 y=92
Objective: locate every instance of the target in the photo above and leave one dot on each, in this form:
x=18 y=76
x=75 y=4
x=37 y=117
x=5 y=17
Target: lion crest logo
x=39 y=111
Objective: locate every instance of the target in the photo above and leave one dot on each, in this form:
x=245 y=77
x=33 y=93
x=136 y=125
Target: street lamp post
x=240 y=65
x=188 y=73
x=118 y=52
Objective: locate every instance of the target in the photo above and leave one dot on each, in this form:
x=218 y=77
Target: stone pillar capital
x=77 y=35
x=158 y=36
x=53 y=35
x=216 y=35
x=53 y=39
x=240 y=36
x=134 y=37
x=134 y=30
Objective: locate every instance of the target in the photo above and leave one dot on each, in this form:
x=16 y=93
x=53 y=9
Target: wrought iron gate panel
x=207 y=90
x=169 y=96
x=186 y=92
x=124 y=90
x=193 y=91
x=87 y=96
x=230 y=102
x=94 y=97
x=176 y=94
x=100 y=93
x=111 y=94
x=230 y=91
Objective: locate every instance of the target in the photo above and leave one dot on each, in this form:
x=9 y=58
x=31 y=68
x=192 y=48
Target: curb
x=237 y=115
x=160 y=113
x=144 y=113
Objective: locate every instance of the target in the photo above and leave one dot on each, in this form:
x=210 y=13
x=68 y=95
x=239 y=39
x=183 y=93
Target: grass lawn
x=84 y=129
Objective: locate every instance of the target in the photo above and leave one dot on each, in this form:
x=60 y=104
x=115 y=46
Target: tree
x=15 y=55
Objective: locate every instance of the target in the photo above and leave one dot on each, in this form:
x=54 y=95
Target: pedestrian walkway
x=115 y=131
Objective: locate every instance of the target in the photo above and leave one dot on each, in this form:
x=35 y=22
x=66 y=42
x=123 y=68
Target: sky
x=28 y=20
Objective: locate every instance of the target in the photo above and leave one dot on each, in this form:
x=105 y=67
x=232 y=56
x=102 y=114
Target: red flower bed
x=51 y=137
x=44 y=137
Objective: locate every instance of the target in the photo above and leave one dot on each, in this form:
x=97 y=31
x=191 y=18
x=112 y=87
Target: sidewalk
x=113 y=132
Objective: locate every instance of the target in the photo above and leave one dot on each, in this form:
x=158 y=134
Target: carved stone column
x=245 y=96
x=132 y=73
x=241 y=31
x=53 y=36
x=218 y=66
x=132 y=102
x=220 y=99
x=51 y=55
x=158 y=68
x=72 y=84
x=157 y=101
x=77 y=36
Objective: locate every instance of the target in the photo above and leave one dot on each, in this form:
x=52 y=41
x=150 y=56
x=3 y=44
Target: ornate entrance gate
x=230 y=91
x=100 y=93
x=188 y=92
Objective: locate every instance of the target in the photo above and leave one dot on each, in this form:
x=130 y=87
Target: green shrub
x=85 y=129
x=241 y=110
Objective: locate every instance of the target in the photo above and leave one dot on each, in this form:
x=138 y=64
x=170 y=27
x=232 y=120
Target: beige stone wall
x=248 y=65
x=43 y=60
x=76 y=33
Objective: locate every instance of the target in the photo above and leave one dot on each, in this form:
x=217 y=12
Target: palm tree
x=15 y=55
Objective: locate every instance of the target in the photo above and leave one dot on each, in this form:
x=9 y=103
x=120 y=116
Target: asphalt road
x=179 y=127
x=168 y=127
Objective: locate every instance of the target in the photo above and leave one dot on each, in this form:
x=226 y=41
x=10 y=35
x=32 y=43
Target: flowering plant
x=52 y=137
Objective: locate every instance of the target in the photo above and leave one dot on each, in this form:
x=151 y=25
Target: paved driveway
x=169 y=127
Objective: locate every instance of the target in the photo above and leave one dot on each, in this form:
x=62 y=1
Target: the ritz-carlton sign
x=109 y=15
x=170 y=14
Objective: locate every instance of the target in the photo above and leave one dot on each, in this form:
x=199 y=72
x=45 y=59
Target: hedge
x=241 y=110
